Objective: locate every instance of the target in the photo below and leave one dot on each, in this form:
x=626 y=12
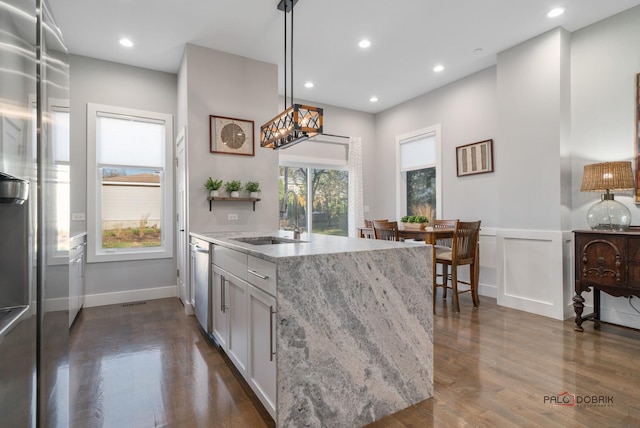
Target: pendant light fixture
x=298 y=122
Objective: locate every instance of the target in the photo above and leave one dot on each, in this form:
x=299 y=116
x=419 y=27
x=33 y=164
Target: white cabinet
x=261 y=373
x=219 y=317
x=243 y=306
x=236 y=300
x=76 y=275
x=229 y=305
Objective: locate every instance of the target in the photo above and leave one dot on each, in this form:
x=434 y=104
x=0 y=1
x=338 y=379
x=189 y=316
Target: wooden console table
x=605 y=261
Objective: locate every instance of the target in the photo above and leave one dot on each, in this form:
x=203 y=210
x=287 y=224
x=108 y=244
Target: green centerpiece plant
x=414 y=221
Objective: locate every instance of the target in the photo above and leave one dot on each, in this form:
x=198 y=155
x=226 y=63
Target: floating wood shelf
x=224 y=198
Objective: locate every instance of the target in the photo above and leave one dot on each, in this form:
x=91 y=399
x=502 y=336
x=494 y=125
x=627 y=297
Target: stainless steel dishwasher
x=200 y=269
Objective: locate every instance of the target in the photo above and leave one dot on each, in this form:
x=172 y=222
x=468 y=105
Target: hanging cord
x=631 y=304
x=285 y=54
x=292 y=7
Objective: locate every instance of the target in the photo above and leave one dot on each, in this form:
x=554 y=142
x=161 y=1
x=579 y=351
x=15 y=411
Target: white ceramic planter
x=253 y=195
x=214 y=193
x=235 y=194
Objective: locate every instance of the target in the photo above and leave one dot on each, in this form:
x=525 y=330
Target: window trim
x=94 y=228
x=401 y=176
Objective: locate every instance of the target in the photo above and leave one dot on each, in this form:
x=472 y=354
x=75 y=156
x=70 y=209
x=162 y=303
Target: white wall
x=556 y=103
x=103 y=82
x=467 y=113
x=529 y=106
x=223 y=84
x=466 y=110
x=533 y=101
x=604 y=62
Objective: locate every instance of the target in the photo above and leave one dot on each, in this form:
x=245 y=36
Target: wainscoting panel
x=531 y=271
x=488 y=281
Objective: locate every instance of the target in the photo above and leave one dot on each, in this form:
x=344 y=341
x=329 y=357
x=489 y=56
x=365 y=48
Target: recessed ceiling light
x=557 y=11
x=373 y=99
x=126 y=42
x=364 y=43
x=478 y=50
x=438 y=68
x=308 y=85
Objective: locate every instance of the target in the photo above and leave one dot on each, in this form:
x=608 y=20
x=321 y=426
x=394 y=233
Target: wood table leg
x=578 y=307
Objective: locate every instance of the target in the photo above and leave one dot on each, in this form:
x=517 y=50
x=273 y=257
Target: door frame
x=183 y=278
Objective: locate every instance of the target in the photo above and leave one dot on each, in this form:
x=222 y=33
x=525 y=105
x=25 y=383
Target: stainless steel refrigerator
x=34 y=211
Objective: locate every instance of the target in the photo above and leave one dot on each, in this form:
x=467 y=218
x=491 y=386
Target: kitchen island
x=353 y=324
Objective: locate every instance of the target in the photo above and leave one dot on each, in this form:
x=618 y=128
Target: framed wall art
x=231 y=136
x=476 y=158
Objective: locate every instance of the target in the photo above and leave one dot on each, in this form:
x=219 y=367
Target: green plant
x=420 y=219
x=252 y=186
x=212 y=184
x=233 y=186
x=414 y=219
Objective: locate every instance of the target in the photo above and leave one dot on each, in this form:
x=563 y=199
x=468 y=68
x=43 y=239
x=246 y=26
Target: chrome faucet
x=283 y=209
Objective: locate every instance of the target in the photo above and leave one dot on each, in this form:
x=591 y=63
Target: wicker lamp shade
x=608 y=214
x=599 y=177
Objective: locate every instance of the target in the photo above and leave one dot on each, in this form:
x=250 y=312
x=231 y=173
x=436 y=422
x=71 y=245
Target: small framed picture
x=231 y=136
x=476 y=158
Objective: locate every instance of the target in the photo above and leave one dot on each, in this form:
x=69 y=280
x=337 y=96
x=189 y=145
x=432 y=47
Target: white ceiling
x=409 y=37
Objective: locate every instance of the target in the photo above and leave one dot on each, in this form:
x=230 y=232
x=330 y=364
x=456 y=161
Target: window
x=419 y=176
x=60 y=178
x=129 y=178
x=316 y=171
x=328 y=190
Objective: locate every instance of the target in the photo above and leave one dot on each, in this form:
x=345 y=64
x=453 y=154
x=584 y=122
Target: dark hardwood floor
x=148 y=365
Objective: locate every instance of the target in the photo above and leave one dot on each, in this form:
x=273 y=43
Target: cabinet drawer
x=232 y=261
x=262 y=274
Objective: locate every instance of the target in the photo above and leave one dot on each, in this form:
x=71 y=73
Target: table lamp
x=608 y=214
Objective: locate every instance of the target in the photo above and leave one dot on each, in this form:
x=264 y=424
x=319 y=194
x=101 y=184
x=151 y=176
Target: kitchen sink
x=268 y=240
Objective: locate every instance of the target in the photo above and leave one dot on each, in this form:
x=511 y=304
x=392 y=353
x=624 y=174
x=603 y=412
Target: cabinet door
x=74 y=288
x=601 y=260
x=262 y=359
x=218 y=307
x=82 y=266
x=236 y=300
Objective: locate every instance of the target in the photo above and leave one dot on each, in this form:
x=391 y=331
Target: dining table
x=429 y=235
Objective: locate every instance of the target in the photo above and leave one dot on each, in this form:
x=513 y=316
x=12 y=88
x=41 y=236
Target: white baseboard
x=488 y=290
x=188 y=308
x=103 y=299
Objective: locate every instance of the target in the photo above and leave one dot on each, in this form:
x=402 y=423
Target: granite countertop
x=310 y=244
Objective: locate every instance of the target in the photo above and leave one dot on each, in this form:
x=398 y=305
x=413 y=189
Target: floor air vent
x=124 y=305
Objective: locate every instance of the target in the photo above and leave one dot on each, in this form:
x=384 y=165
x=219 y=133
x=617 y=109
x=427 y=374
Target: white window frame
x=95 y=252
x=401 y=176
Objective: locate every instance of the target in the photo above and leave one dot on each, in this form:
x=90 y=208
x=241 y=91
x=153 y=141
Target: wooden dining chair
x=387 y=230
x=441 y=245
x=444 y=224
x=464 y=251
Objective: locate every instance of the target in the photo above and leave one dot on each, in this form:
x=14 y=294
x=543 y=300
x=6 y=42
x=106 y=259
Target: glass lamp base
x=609 y=214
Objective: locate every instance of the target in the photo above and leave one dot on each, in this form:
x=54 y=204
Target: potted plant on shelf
x=233 y=187
x=414 y=221
x=213 y=186
x=253 y=187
